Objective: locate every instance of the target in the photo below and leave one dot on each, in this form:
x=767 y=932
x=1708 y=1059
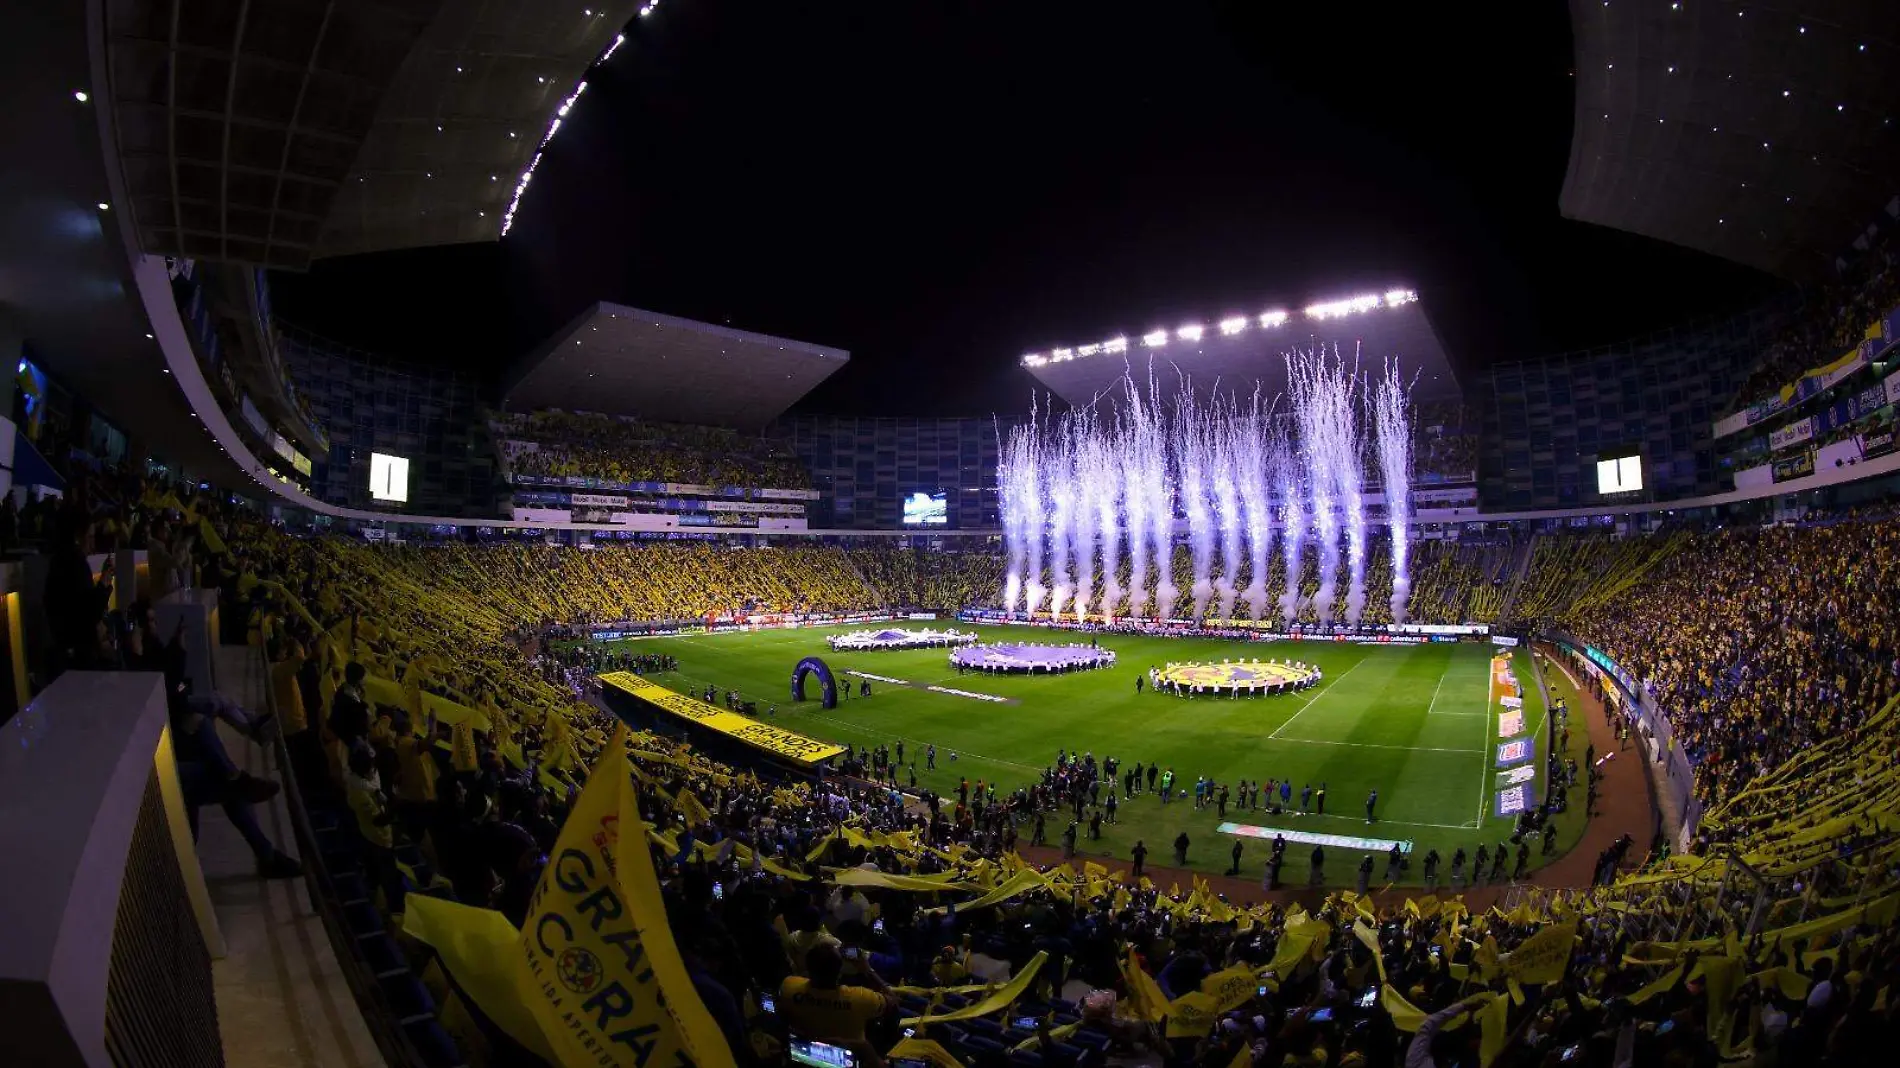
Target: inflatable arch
x=809 y=666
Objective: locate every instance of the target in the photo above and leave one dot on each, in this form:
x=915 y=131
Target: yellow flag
x=690 y=807
x=1020 y=883
x=462 y=748
x=1542 y=957
x=1301 y=938
x=1494 y=1029
x=478 y=947
x=1191 y=1015
x=1231 y=987
x=597 y=963
x=1003 y=997
x=1143 y=992
x=923 y=1049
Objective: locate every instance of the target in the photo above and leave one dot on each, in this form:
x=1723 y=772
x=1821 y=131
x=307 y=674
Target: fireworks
x=1094 y=488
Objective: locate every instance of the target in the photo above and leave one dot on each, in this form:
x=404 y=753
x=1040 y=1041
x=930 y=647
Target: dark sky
x=940 y=187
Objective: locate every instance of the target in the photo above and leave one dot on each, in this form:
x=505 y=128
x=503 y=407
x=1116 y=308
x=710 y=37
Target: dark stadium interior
x=857 y=535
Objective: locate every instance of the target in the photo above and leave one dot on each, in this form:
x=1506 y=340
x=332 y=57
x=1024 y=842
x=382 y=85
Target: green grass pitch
x=1410 y=721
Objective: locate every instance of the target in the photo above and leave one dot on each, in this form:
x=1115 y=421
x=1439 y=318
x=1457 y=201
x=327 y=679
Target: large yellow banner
x=788 y=744
x=1000 y=998
x=597 y=964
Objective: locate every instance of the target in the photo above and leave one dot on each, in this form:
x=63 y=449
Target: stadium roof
x=1764 y=134
x=1239 y=352
x=275 y=132
x=625 y=361
x=68 y=291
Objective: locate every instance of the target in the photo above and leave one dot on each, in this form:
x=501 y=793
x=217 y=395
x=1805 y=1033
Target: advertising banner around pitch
x=1516 y=752
x=1513 y=800
x=1523 y=773
x=596 y=963
x=782 y=743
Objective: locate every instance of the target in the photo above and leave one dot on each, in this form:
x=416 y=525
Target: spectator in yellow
x=819 y=1008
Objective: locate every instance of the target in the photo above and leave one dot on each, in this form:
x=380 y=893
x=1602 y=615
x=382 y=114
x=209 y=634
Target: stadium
x=541 y=535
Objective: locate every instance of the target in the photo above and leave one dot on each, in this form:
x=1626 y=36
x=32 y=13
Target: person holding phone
x=820 y=1007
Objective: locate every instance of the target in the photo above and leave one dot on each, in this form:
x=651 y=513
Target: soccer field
x=1409 y=721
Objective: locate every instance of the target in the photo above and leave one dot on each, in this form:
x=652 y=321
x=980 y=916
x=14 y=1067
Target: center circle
x=1233 y=677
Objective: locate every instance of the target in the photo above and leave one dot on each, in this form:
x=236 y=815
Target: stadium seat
x=407 y=998
x=985 y=1026
x=382 y=955
x=984 y=1045
x=437 y=1049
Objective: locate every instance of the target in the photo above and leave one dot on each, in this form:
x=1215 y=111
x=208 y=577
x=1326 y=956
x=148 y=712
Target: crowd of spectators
x=940 y=581
x=1444 y=447
x=643 y=581
x=619 y=450
x=1833 y=321
x=403 y=694
x=1758 y=643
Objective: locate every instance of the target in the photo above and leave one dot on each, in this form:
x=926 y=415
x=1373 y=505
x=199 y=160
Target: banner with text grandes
x=601 y=976
x=782 y=743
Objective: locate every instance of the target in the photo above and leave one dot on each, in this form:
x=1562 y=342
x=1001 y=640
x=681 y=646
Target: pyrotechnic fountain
x=1035 y=523
x=1062 y=496
x=1013 y=473
x=1229 y=478
x=1227 y=509
x=1193 y=443
x=1392 y=426
x=1321 y=453
x=1249 y=452
x=1105 y=493
x=1284 y=478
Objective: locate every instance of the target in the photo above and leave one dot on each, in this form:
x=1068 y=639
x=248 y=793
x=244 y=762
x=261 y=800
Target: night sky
x=940 y=187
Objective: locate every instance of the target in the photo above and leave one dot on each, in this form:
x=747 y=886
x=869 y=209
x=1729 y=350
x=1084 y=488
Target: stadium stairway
x=283 y=1000
x=1521 y=567
x=872 y=593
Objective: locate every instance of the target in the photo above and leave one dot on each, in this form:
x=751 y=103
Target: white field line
x=1377 y=745
x=943 y=751
x=1315 y=699
x=1485 y=777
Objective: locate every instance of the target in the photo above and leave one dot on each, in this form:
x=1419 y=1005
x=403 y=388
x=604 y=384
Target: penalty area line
x=1315 y=699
